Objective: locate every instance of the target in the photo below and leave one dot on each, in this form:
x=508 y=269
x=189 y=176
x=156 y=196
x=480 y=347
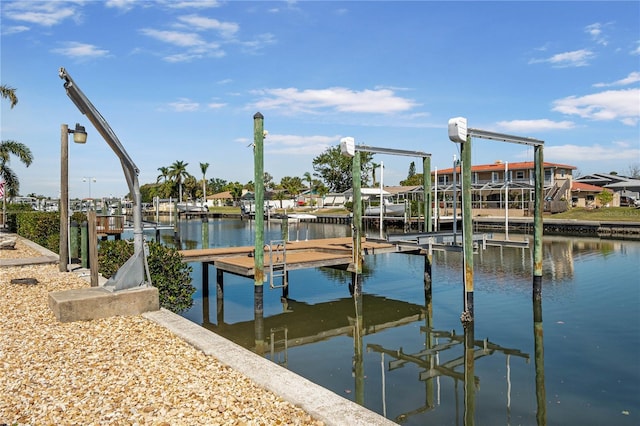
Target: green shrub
x=42 y=228
x=112 y=254
x=169 y=274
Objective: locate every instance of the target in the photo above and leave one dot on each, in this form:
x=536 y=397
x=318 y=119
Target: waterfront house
x=220 y=199
x=624 y=188
x=495 y=184
x=585 y=195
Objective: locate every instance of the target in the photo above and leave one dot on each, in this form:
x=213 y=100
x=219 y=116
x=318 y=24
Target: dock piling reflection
x=538 y=334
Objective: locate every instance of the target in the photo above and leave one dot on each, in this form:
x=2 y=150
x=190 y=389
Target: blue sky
x=181 y=80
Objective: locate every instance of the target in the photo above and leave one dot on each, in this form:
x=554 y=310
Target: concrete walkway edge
x=319 y=402
x=46 y=255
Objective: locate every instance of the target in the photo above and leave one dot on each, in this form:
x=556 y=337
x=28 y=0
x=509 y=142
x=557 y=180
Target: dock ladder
x=278 y=263
x=280 y=346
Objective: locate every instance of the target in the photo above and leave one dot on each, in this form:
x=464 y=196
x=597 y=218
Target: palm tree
x=8 y=92
x=20 y=150
x=203 y=168
x=178 y=171
x=307 y=177
x=374 y=166
x=164 y=174
x=165 y=188
x=10 y=181
x=322 y=191
x=293 y=185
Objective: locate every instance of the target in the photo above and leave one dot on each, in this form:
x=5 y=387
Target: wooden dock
x=326 y=252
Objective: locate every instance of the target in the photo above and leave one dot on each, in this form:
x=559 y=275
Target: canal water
x=400 y=350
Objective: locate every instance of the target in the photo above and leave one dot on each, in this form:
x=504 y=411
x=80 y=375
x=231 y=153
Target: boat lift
x=449 y=241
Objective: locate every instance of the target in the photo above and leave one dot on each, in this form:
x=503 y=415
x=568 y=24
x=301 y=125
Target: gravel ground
x=115 y=371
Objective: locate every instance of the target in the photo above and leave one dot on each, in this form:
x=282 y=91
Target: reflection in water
x=541 y=413
x=403 y=375
x=438 y=344
x=311 y=323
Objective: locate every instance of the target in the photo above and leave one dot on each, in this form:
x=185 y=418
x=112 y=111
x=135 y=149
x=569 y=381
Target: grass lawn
x=622 y=214
x=309 y=210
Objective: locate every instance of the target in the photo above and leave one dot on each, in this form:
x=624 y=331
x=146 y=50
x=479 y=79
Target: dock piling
x=467 y=230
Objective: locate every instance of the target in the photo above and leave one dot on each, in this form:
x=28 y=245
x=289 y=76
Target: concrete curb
x=319 y=402
x=47 y=256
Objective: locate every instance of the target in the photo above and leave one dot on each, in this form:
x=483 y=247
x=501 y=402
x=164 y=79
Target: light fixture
x=79 y=134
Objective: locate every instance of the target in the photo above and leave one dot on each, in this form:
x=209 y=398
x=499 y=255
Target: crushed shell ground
x=115 y=371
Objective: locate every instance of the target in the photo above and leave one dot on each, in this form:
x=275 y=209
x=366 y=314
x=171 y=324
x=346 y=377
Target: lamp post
x=88 y=179
x=79 y=136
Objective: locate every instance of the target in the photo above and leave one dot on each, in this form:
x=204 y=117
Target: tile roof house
x=623 y=187
x=220 y=199
x=585 y=195
x=490 y=182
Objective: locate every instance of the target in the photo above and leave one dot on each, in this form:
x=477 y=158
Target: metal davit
x=132 y=273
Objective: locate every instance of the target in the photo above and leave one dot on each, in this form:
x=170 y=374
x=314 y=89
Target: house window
x=494 y=177
x=562 y=172
x=520 y=175
x=443 y=180
x=547 y=175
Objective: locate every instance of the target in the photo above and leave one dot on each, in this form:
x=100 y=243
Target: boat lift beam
x=391 y=151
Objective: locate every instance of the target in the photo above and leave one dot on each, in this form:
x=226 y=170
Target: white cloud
x=121 y=4
x=633 y=77
x=595 y=31
x=45 y=13
x=181 y=57
x=534 y=125
x=339 y=99
x=196 y=46
x=16 y=29
x=195 y=4
x=74 y=49
x=620 y=105
x=262 y=40
x=184 y=105
x=596 y=153
x=576 y=58
x=216 y=105
x=226 y=29
x=636 y=51
x=177 y=38
x=299 y=145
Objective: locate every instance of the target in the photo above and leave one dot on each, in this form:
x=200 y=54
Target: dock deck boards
x=335 y=252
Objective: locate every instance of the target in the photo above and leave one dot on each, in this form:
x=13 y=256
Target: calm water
x=401 y=353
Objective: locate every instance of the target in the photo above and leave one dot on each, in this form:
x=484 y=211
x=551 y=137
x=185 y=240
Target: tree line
x=331 y=173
